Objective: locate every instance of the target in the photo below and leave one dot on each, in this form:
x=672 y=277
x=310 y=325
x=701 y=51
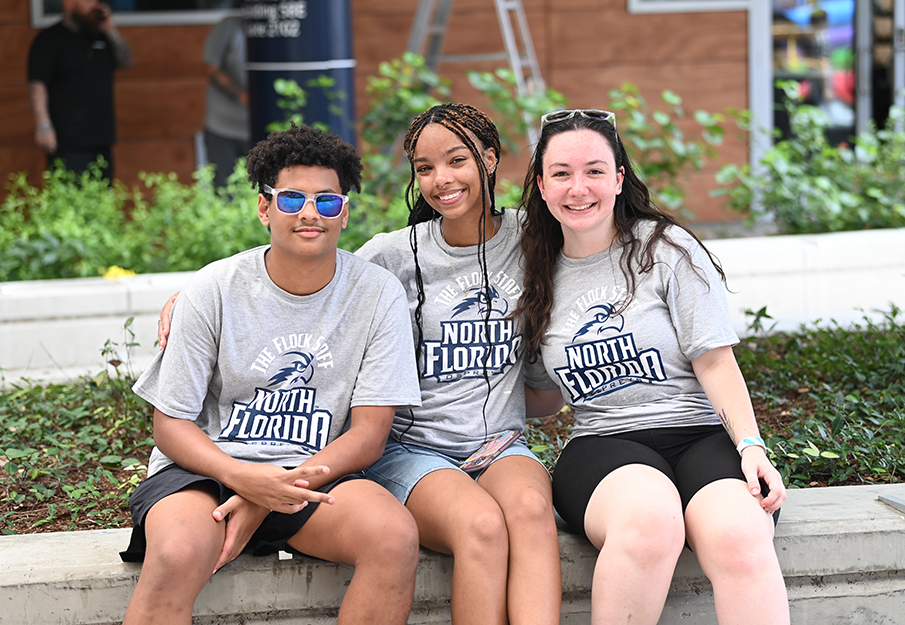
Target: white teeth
x=583 y=207
x=450 y=196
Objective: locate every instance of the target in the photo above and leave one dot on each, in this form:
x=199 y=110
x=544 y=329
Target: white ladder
x=429 y=30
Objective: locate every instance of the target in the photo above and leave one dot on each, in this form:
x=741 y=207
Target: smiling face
x=580 y=182
x=449 y=178
x=305 y=236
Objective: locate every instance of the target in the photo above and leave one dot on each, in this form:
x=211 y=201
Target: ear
x=344 y=220
x=540 y=185
x=490 y=159
x=263 y=209
x=620 y=178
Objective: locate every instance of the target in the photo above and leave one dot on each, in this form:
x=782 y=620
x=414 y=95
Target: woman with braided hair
x=458 y=261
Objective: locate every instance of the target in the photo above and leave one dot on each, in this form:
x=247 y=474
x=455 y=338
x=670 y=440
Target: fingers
x=163 y=322
x=773 y=501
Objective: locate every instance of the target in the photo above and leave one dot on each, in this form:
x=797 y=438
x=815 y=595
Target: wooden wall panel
x=16 y=122
x=14 y=12
x=154 y=155
x=594 y=38
x=15 y=158
x=154 y=109
x=15 y=40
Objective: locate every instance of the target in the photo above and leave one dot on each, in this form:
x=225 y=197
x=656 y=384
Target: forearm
x=358 y=448
x=122 y=53
x=541 y=403
x=37 y=92
x=189 y=446
x=722 y=381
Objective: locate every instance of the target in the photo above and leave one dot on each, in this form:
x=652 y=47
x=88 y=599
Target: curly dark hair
x=542 y=239
x=303 y=145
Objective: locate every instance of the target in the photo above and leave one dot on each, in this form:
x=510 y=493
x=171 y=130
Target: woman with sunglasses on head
x=624 y=316
x=458 y=261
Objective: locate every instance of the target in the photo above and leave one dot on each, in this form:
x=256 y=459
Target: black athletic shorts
x=275 y=530
x=691 y=457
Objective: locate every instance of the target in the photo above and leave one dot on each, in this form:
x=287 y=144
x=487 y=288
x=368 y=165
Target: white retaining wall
x=56 y=329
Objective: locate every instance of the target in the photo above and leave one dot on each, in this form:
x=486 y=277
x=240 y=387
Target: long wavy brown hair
x=542 y=240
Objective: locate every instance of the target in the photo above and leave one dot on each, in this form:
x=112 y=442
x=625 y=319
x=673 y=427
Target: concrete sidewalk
x=842 y=552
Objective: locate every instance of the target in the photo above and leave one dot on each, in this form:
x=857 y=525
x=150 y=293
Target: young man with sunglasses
x=278 y=385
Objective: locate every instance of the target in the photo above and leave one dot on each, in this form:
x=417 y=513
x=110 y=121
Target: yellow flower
x=115 y=273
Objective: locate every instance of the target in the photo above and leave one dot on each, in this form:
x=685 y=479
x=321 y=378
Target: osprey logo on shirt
x=467 y=346
x=286 y=411
x=609 y=361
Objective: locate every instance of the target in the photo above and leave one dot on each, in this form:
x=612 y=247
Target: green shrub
x=660 y=152
x=806 y=185
x=840 y=393
x=79 y=226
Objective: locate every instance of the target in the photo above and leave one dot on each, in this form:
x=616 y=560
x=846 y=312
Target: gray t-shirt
x=269 y=376
x=633 y=371
x=455 y=342
x=224 y=113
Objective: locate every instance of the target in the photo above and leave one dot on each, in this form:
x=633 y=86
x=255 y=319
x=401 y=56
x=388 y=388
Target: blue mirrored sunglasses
x=291 y=201
x=558 y=116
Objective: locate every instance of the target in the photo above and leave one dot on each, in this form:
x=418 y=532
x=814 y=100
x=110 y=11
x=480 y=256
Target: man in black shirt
x=70 y=75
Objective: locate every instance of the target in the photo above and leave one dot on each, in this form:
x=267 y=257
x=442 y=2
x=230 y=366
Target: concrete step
x=841 y=549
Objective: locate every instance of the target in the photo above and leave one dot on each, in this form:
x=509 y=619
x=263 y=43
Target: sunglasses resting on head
x=559 y=116
x=292 y=201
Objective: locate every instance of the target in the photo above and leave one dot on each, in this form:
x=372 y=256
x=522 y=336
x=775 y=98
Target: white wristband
x=751 y=441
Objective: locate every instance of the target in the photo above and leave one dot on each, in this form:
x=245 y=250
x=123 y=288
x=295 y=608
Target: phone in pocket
x=489 y=450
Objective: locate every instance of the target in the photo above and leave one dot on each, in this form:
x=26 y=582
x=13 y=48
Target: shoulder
x=360 y=268
x=387 y=248
x=49 y=36
x=231 y=272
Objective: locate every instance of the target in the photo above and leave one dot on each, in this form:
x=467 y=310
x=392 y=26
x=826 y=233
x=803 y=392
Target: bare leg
x=521 y=486
x=184 y=543
x=635 y=518
x=733 y=540
x=369 y=529
x=457 y=516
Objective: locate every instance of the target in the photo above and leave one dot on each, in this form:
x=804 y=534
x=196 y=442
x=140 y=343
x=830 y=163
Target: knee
x=397 y=542
x=484 y=532
x=532 y=510
x=175 y=559
x=655 y=539
x=739 y=550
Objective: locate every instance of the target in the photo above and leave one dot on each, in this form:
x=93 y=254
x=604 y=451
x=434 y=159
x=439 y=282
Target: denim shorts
x=402 y=467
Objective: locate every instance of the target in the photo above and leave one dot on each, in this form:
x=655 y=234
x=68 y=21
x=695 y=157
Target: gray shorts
x=402 y=467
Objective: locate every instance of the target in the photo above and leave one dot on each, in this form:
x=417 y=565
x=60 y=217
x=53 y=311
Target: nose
x=442 y=177
x=579 y=185
x=309 y=214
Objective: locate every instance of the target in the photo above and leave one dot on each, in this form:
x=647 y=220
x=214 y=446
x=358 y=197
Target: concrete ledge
x=54 y=329
x=841 y=550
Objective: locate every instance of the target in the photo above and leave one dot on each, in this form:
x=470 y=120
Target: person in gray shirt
x=227 y=132
x=625 y=317
x=277 y=387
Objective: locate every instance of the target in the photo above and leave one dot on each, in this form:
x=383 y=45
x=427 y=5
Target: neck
x=585 y=244
x=458 y=234
x=300 y=277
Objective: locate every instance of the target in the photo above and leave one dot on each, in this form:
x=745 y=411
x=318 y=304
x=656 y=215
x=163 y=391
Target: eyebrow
x=447 y=153
x=597 y=162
